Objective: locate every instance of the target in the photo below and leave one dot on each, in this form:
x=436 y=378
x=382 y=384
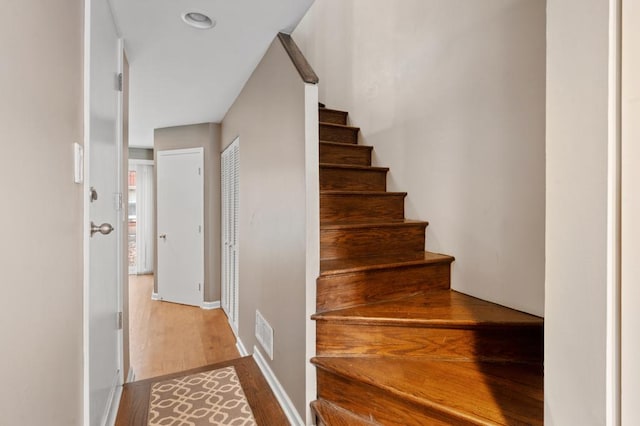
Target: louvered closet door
x=230 y=204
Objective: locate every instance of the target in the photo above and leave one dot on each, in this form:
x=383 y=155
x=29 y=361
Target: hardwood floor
x=168 y=338
x=134 y=405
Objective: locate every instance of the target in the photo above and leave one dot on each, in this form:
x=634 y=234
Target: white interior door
x=102 y=207
x=180 y=207
x=230 y=166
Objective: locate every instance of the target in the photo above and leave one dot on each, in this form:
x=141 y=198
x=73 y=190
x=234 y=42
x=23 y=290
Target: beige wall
x=269 y=118
x=451 y=94
x=140 y=153
x=207 y=136
x=576 y=235
x=41 y=116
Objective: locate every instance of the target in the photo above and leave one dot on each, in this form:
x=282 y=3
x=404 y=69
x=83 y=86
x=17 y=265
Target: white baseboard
x=112 y=409
x=155 y=296
x=210 y=305
x=240 y=346
x=282 y=397
x=131 y=376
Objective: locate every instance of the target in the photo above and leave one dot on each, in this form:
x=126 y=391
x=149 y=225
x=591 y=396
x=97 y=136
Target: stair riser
x=345 y=154
x=501 y=345
x=352 y=180
x=338 y=134
x=377 y=404
x=370 y=241
x=353 y=289
x=361 y=208
x=331 y=116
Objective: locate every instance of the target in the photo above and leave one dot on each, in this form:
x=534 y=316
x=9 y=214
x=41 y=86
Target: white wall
x=269 y=118
x=451 y=95
x=630 y=213
x=576 y=246
x=41 y=115
x=206 y=136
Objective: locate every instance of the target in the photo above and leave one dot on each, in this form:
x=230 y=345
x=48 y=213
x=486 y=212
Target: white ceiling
x=182 y=75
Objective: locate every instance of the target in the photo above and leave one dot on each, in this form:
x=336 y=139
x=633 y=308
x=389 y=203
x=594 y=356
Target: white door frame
x=87 y=220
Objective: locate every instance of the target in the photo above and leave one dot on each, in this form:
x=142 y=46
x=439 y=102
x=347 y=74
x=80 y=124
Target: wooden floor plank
x=168 y=337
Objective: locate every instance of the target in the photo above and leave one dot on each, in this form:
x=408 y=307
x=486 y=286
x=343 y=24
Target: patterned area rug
x=210 y=398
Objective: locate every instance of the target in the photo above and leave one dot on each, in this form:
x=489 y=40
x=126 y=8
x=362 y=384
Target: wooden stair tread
x=356 y=146
x=435 y=308
x=475 y=392
x=340 y=266
x=339 y=126
x=362 y=193
x=353 y=167
x=358 y=225
x=365 y=147
x=324 y=108
x=332 y=415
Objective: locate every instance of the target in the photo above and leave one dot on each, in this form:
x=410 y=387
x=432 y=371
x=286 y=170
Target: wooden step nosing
x=333 y=110
x=354 y=167
x=364 y=225
x=398 y=393
x=339 y=193
x=390 y=265
x=334 y=316
x=342 y=144
x=323 y=404
x=340 y=126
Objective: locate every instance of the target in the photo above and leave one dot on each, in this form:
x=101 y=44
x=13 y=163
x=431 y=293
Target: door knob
x=104 y=229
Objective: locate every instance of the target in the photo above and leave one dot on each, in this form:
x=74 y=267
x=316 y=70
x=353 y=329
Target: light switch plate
x=78 y=163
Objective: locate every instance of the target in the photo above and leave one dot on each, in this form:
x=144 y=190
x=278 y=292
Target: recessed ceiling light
x=198 y=20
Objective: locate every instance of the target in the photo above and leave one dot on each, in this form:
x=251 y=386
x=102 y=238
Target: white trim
x=114 y=404
x=613 y=347
x=86 y=401
x=155 y=296
x=136 y=162
x=240 y=346
x=312 y=266
x=281 y=395
x=211 y=305
x=131 y=376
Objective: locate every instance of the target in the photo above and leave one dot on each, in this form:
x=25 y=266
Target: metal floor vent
x=264 y=334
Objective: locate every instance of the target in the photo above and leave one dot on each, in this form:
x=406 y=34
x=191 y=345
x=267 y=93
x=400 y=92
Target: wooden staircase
x=395 y=345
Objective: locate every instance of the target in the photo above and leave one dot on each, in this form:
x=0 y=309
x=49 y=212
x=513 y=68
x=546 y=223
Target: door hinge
x=199 y=171
x=119 y=320
x=119 y=82
x=199 y=229
x=199 y=287
x=117 y=198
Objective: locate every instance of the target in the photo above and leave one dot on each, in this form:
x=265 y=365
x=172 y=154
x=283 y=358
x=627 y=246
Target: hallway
x=167 y=338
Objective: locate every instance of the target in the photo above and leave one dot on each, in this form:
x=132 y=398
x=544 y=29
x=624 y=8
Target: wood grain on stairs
x=395 y=345
x=439 y=324
x=351 y=282
x=361 y=206
x=401 y=391
x=370 y=239
x=330 y=132
x=328 y=115
x=352 y=177
x=328 y=414
x=341 y=153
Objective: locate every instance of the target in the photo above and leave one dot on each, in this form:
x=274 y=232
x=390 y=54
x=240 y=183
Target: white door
x=180 y=189
x=230 y=166
x=102 y=207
